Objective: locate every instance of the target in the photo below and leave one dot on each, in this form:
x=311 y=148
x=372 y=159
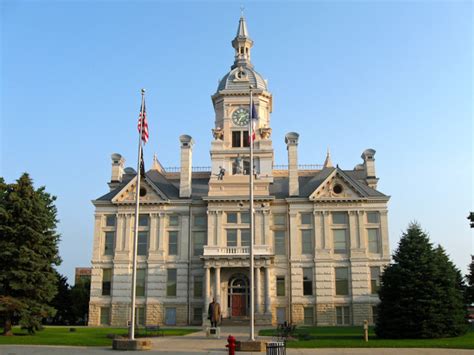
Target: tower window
x=240 y=139
x=236 y=139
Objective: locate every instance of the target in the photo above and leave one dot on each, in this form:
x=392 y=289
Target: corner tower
x=230 y=147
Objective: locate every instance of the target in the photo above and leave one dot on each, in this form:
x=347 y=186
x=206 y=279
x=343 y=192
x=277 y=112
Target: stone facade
x=320 y=236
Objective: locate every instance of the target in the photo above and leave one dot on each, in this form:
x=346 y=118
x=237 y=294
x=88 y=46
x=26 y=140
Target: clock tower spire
x=232 y=105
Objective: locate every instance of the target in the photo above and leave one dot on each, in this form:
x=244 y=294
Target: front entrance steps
x=260 y=319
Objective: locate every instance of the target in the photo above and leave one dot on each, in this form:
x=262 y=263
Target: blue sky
x=395 y=76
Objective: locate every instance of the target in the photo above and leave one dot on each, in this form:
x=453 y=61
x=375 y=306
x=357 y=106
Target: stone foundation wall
x=325 y=314
x=154 y=314
x=94 y=315
x=120 y=314
x=361 y=312
x=297 y=313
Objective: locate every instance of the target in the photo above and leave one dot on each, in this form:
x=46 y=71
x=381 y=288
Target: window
x=306 y=243
x=231 y=237
x=245 y=237
x=142 y=245
x=140 y=285
x=374 y=279
x=340 y=241
x=197 y=286
x=197 y=314
x=308 y=315
x=280 y=285
x=140 y=315
x=373 y=217
x=307 y=281
x=173 y=243
x=110 y=220
x=373 y=238
x=279 y=220
x=173 y=220
x=339 y=218
x=106 y=281
x=200 y=221
x=104 y=315
x=199 y=240
x=240 y=139
x=143 y=220
x=280 y=247
x=306 y=218
x=342 y=281
x=109 y=243
x=171 y=283
x=245 y=217
x=343 y=315
x=231 y=217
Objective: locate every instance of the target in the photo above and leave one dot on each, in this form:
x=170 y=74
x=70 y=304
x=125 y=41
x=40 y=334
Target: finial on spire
x=328 y=161
x=242 y=44
x=156 y=164
x=242 y=11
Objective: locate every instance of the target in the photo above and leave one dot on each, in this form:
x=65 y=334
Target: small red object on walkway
x=231 y=345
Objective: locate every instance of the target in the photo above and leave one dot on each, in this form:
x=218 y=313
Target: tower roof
x=242 y=29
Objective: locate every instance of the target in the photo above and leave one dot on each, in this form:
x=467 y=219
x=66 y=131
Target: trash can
x=276 y=348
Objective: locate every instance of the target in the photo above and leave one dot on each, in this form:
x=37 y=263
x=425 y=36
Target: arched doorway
x=238 y=295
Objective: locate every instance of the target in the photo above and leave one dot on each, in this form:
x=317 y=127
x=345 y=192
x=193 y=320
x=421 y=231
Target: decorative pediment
x=337 y=186
x=149 y=193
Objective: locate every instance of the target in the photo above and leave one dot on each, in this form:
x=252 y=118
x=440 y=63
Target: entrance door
x=170 y=316
x=238 y=305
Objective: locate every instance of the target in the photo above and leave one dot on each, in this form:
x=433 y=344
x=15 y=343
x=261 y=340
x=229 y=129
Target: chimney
x=117 y=170
x=186 y=165
x=369 y=167
x=291 y=140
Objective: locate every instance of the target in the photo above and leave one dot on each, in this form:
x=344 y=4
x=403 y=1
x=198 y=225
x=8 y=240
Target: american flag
x=254 y=119
x=145 y=124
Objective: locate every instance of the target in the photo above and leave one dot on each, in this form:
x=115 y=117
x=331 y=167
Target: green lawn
x=352 y=337
x=83 y=336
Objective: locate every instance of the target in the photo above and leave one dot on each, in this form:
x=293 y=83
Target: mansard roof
x=308 y=183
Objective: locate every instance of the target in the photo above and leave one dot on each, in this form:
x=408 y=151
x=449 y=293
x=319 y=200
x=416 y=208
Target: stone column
x=128 y=231
x=318 y=237
x=98 y=240
x=161 y=231
x=207 y=290
x=218 y=235
x=327 y=231
x=384 y=247
x=211 y=227
x=268 y=307
x=352 y=230
x=258 y=240
x=119 y=233
x=184 y=237
x=153 y=233
x=258 y=286
x=360 y=220
x=266 y=227
x=218 y=284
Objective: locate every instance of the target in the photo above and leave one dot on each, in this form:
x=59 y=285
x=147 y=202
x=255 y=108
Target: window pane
x=245 y=237
x=279 y=219
x=339 y=315
x=280 y=247
x=373 y=217
x=140 y=285
x=374 y=279
x=197 y=314
x=246 y=142
x=373 y=237
x=307 y=245
x=346 y=316
x=198 y=286
x=340 y=241
x=308 y=315
x=342 y=281
x=236 y=139
x=339 y=218
x=231 y=217
x=280 y=285
x=143 y=220
x=200 y=221
x=142 y=246
x=173 y=243
x=174 y=220
x=171 y=283
x=140 y=315
x=199 y=240
x=231 y=238
x=306 y=218
x=109 y=243
x=307 y=281
x=245 y=217
x=104 y=315
x=246 y=166
x=106 y=281
x=110 y=221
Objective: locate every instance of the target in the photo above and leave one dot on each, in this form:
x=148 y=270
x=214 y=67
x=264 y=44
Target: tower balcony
x=225 y=251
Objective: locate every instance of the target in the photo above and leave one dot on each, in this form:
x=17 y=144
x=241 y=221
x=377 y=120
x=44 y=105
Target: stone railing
x=237 y=251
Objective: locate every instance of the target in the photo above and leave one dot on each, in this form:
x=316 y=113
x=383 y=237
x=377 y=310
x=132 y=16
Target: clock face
x=241 y=116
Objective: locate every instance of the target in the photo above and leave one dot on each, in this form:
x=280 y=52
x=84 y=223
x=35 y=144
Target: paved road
x=197 y=343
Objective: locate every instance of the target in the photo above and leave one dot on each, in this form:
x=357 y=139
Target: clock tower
x=241 y=87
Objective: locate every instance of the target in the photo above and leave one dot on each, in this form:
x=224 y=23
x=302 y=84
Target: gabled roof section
x=128 y=193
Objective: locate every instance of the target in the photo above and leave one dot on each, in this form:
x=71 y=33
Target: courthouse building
x=321 y=236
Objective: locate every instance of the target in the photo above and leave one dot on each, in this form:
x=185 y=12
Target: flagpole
x=131 y=334
x=252 y=297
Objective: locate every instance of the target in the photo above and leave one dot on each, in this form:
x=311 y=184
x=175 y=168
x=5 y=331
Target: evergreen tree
x=80 y=294
x=421 y=292
x=28 y=253
x=62 y=302
x=470 y=283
